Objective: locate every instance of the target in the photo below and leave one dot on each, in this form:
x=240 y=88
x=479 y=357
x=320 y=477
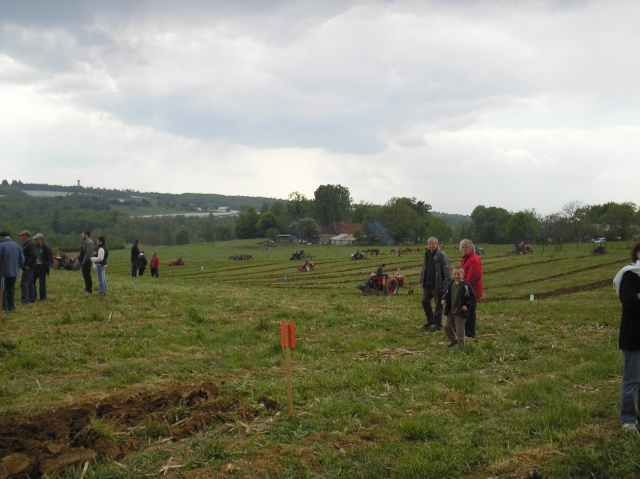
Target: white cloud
x=512 y=104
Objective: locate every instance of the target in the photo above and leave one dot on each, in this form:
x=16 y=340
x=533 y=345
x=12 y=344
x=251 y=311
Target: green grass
x=373 y=396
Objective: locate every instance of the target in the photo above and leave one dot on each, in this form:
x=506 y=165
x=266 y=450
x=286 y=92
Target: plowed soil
x=51 y=441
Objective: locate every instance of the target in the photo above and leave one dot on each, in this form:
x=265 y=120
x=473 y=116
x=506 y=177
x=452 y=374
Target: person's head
x=38 y=238
x=635 y=252
x=432 y=244
x=136 y=241
x=466 y=246
x=101 y=240
x=25 y=236
x=457 y=272
x=85 y=234
x=4 y=234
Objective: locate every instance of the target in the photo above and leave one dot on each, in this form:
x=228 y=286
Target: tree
x=207 y=230
x=246 y=224
x=299 y=206
x=551 y=228
x=490 y=224
x=464 y=229
x=331 y=203
x=622 y=219
x=304 y=228
x=182 y=237
x=266 y=222
x=575 y=215
x=440 y=229
x=400 y=219
x=522 y=226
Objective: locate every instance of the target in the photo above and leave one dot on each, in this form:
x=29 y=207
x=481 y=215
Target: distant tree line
x=399 y=220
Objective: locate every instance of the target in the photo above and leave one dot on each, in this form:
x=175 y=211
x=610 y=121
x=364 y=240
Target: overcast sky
x=516 y=104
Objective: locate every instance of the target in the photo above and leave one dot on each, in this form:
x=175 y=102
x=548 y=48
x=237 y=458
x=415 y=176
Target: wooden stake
x=287 y=353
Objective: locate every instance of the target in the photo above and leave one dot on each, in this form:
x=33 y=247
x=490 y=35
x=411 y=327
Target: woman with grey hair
x=473 y=275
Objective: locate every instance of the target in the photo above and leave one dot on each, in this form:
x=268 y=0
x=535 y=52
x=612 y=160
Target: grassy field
x=184 y=376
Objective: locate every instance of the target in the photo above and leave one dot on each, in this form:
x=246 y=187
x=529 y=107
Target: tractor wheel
x=392 y=286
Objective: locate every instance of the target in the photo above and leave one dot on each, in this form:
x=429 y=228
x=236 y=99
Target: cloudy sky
x=517 y=104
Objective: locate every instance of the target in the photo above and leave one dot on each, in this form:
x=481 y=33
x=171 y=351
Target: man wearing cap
x=43 y=265
x=85 y=260
x=11 y=261
x=27 y=288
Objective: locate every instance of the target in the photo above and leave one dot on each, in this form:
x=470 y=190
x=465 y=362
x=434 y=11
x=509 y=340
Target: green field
x=372 y=394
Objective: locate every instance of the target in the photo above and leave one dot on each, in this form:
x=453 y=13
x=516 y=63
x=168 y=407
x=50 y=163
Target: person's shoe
x=629 y=426
x=452 y=344
x=87 y=292
x=427 y=325
x=435 y=329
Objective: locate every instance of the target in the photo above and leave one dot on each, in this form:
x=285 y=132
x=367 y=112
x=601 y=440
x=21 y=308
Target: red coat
x=155 y=262
x=473 y=272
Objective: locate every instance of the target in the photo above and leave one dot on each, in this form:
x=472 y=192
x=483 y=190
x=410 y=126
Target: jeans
x=102 y=278
x=434 y=317
x=630 y=384
x=27 y=288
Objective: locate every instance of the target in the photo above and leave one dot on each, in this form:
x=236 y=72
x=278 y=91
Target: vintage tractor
x=521 y=248
x=358 y=255
x=298 y=255
x=387 y=284
x=599 y=247
x=307 y=266
x=176 y=262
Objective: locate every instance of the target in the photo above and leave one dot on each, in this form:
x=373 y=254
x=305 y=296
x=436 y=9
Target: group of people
x=91 y=258
x=139 y=262
x=32 y=261
x=453 y=291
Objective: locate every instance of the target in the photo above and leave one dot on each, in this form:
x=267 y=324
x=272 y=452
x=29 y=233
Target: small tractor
x=387 y=284
x=307 y=266
x=176 y=262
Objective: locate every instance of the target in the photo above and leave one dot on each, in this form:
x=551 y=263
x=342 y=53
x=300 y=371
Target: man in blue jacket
x=11 y=261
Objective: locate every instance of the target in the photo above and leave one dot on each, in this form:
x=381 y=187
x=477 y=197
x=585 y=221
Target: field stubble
x=184 y=376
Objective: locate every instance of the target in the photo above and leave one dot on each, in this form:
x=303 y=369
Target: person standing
x=473 y=275
x=142 y=263
x=27 y=288
x=11 y=262
x=457 y=301
x=100 y=262
x=434 y=279
x=154 y=265
x=135 y=254
x=85 y=261
x=44 y=255
x=627 y=286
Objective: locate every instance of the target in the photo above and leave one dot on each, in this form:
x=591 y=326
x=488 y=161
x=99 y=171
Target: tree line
x=398 y=221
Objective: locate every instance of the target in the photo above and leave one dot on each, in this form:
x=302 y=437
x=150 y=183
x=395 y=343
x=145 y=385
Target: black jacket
x=467 y=298
x=30 y=251
x=629 y=338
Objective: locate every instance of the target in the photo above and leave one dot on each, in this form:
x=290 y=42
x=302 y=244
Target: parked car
x=599 y=240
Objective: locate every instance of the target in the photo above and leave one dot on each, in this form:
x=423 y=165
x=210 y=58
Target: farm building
x=330 y=233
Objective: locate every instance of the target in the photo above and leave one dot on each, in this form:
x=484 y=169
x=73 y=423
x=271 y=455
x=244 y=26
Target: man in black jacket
x=135 y=253
x=27 y=288
x=43 y=265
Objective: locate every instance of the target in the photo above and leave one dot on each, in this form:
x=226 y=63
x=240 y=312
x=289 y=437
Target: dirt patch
x=54 y=440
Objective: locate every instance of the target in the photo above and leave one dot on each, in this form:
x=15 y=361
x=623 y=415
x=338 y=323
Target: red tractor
x=387 y=284
x=176 y=262
x=307 y=266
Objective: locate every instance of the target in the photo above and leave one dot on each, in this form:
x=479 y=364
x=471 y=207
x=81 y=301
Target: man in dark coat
x=434 y=279
x=27 y=288
x=135 y=254
x=43 y=266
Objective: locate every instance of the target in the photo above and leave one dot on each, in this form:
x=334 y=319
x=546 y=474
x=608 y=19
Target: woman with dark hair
x=101 y=265
x=627 y=286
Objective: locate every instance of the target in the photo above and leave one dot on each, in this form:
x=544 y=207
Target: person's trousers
x=27 y=288
x=630 y=385
x=454 y=328
x=40 y=281
x=433 y=315
x=134 y=269
x=9 y=293
x=102 y=278
x=86 y=274
x=470 y=327
x=154 y=272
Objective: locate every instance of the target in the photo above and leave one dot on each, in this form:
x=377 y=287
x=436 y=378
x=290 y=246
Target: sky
x=523 y=105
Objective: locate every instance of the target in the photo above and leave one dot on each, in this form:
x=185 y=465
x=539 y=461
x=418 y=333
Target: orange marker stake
x=288 y=341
